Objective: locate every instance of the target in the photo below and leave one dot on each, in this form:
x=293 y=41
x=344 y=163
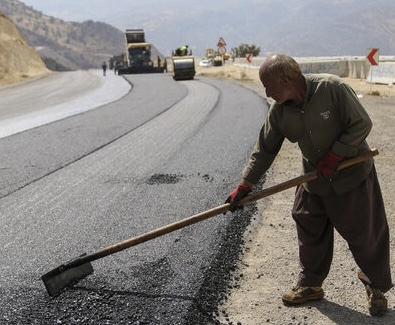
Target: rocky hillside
x=18 y=61
x=65 y=45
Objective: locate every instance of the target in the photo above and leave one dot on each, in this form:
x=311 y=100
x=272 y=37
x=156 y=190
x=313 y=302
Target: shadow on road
x=344 y=316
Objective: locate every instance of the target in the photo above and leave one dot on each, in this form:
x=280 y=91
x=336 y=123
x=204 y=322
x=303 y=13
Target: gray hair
x=280 y=65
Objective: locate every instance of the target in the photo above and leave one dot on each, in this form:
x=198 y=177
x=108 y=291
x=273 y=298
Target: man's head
x=280 y=74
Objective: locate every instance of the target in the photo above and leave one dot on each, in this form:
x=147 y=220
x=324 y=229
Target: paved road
x=58 y=96
x=165 y=151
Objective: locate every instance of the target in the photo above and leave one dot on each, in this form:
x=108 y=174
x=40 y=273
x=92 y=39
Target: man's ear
x=284 y=80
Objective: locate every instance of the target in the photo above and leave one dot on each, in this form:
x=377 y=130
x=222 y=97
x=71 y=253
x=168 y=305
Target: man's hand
x=240 y=192
x=328 y=164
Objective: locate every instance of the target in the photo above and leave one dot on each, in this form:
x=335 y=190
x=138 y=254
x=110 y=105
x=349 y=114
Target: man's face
x=276 y=88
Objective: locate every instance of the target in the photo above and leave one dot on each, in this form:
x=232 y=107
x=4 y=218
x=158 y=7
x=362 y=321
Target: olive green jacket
x=332 y=117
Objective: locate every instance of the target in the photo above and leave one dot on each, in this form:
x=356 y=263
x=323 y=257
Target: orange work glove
x=240 y=192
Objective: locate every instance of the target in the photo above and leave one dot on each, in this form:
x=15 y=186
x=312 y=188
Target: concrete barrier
x=338 y=68
x=384 y=73
x=352 y=67
x=357 y=68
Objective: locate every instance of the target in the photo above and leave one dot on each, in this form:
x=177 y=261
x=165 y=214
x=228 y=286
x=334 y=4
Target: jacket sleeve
x=357 y=123
x=266 y=148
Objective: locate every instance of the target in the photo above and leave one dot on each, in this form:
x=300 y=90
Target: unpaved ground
x=270 y=262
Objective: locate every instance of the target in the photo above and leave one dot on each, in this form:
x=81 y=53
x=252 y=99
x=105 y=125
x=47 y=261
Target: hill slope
x=65 y=45
x=18 y=61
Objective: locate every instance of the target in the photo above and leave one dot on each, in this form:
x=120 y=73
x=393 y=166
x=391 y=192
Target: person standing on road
x=324 y=116
x=104 y=67
x=115 y=67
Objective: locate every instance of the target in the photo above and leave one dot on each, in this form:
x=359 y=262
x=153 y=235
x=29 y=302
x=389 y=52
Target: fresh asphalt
x=164 y=151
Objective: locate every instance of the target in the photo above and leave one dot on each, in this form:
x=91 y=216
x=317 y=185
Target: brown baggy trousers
x=359 y=217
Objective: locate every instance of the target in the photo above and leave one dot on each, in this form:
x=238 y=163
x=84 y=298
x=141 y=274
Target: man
x=182 y=50
x=324 y=116
x=104 y=67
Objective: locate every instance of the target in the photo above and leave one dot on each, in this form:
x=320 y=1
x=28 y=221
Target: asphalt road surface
x=58 y=96
x=164 y=151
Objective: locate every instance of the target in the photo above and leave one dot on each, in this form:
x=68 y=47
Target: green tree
x=242 y=50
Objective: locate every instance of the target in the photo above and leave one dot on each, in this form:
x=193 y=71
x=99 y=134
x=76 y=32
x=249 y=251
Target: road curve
x=55 y=97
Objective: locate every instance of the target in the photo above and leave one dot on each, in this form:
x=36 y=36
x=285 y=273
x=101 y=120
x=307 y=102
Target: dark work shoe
x=377 y=303
x=299 y=295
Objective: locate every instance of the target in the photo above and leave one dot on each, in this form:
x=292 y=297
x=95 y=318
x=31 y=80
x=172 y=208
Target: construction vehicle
x=217 y=58
x=137 y=58
x=210 y=53
x=183 y=65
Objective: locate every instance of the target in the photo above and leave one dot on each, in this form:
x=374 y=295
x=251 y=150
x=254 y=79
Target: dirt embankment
x=269 y=265
x=18 y=61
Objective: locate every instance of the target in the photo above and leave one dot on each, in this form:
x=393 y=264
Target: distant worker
x=182 y=50
x=165 y=65
x=104 y=67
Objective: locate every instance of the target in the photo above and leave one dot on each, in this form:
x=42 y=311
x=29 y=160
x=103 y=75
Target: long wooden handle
x=305 y=178
x=211 y=213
